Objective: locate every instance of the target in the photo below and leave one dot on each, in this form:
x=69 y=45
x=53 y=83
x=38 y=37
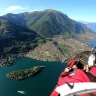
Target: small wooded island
x=24 y=74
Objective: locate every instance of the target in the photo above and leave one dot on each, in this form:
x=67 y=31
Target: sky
x=80 y=10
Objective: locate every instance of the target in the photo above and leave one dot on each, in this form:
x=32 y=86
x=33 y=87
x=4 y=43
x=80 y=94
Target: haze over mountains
x=20 y=33
x=91 y=25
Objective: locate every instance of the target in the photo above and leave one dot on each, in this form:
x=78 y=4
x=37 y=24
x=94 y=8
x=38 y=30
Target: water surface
x=92 y=43
x=40 y=85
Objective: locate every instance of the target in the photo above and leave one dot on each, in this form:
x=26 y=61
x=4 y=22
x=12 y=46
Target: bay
x=40 y=85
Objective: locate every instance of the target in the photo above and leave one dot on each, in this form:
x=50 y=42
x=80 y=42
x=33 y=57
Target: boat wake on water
x=21 y=92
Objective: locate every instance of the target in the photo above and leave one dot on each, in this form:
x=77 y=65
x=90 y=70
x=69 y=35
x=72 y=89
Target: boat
x=76 y=83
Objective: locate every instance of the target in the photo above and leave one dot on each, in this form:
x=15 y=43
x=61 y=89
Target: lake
x=40 y=85
x=92 y=43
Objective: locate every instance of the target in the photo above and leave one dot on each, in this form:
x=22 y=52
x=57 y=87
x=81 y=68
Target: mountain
x=15 y=41
x=48 y=23
x=7 y=27
x=91 y=25
x=23 y=32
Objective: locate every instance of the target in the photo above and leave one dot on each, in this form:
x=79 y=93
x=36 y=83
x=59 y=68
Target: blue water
x=93 y=43
x=40 y=85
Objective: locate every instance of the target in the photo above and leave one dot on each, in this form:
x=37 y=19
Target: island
x=24 y=74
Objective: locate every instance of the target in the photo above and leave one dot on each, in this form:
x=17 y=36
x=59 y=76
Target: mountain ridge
x=15 y=41
x=91 y=25
x=48 y=23
x=23 y=32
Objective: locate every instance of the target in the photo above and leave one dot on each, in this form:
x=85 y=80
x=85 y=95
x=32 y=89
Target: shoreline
x=45 y=51
x=26 y=73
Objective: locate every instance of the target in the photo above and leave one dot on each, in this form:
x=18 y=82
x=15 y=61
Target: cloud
x=13 y=8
